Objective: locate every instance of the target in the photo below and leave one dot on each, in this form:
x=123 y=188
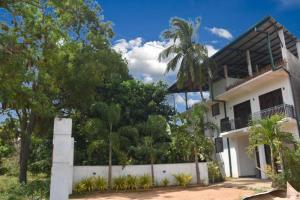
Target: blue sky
x=139 y=23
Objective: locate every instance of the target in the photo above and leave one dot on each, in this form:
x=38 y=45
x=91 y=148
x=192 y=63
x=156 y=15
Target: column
x=283 y=45
x=249 y=63
x=262 y=161
x=298 y=48
x=62 y=160
x=225 y=71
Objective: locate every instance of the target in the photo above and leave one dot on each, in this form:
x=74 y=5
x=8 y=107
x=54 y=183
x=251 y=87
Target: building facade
x=257 y=75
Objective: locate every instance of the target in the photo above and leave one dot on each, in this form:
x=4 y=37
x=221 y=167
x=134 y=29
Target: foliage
x=186 y=53
x=91 y=184
x=10 y=189
x=268 y=131
x=165 y=182
x=278 y=179
x=183 y=179
x=291 y=166
x=100 y=183
x=214 y=173
x=145 y=181
x=132 y=182
x=120 y=183
x=51 y=60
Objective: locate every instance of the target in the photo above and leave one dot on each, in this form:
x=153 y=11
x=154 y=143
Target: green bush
x=90 y=184
x=132 y=182
x=278 y=179
x=10 y=189
x=165 y=182
x=183 y=179
x=100 y=183
x=292 y=169
x=145 y=181
x=120 y=183
x=214 y=173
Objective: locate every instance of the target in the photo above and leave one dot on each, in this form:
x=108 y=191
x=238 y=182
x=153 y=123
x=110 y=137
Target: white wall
x=160 y=171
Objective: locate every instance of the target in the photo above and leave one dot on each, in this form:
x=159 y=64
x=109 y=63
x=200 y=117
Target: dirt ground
x=229 y=190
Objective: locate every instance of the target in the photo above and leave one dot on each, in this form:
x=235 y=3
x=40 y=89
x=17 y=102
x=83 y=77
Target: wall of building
x=160 y=171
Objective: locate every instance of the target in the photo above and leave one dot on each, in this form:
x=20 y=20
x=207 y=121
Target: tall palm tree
x=185 y=53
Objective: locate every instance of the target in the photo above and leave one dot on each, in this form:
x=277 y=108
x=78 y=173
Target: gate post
x=62 y=160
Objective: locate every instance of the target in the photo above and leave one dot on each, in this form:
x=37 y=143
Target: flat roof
x=233 y=55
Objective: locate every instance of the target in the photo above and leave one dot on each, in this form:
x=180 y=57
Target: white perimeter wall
x=160 y=171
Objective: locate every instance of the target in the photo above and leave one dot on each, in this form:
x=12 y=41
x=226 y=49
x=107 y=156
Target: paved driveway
x=229 y=190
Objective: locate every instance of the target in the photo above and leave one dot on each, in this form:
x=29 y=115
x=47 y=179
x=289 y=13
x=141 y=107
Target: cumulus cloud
x=220 y=32
x=142 y=58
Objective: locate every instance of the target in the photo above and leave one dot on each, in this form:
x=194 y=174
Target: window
x=219 y=145
x=215 y=109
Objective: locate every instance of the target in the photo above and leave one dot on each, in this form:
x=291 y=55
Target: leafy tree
x=53 y=53
x=110 y=115
x=267 y=131
x=155 y=142
x=195 y=123
x=185 y=53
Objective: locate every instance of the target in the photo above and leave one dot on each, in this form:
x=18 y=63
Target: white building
x=258 y=74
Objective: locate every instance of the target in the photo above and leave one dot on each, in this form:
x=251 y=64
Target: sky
x=138 y=25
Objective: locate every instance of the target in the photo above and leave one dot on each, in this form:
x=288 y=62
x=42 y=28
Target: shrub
x=145 y=181
x=100 y=183
x=214 y=173
x=79 y=188
x=120 y=183
x=183 y=179
x=278 y=179
x=165 y=182
x=132 y=182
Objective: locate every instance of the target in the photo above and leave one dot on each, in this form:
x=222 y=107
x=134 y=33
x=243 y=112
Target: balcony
x=238 y=123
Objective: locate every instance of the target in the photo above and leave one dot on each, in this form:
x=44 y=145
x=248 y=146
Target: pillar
x=249 y=63
x=298 y=48
x=225 y=71
x=283 y=45
x=262 y=161
x=62 y=160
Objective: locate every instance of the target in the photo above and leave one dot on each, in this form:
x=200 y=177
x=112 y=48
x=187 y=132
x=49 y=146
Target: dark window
x=215 y=109
x=219 y=144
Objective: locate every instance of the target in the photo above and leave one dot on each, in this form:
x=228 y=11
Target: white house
x=258 y=74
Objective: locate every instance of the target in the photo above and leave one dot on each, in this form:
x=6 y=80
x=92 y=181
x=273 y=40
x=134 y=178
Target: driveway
x=229 y=190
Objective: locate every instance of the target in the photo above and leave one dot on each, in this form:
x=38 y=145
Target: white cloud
x=142 y=58
x=179 y=99
x=221 y=32
x=211 y=50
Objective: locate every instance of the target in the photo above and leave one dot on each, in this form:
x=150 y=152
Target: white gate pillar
x=62 y=160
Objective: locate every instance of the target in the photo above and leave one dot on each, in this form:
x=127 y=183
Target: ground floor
x=235 y=159
x=229 y=190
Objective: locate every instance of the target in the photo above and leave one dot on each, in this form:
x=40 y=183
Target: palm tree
x=196 y=123
x=110 y=114
x=185 y=53
x=268 y=131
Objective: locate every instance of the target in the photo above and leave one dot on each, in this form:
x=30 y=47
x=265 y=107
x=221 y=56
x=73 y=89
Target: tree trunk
x=197 y=166
x=24 y=155
x=152 y=172
x=186 y=101
x=201 y=94
x=272 y=160
x=110 y=159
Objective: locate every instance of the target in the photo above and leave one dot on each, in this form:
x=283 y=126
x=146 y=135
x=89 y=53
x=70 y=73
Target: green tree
x=54 y=53
x=185 y=53
x=195 y=123
x=155 y=142
x=110 y=115
x=268 y=131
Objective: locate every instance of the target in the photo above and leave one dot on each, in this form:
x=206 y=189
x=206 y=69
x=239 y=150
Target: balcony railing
x=237 y=123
